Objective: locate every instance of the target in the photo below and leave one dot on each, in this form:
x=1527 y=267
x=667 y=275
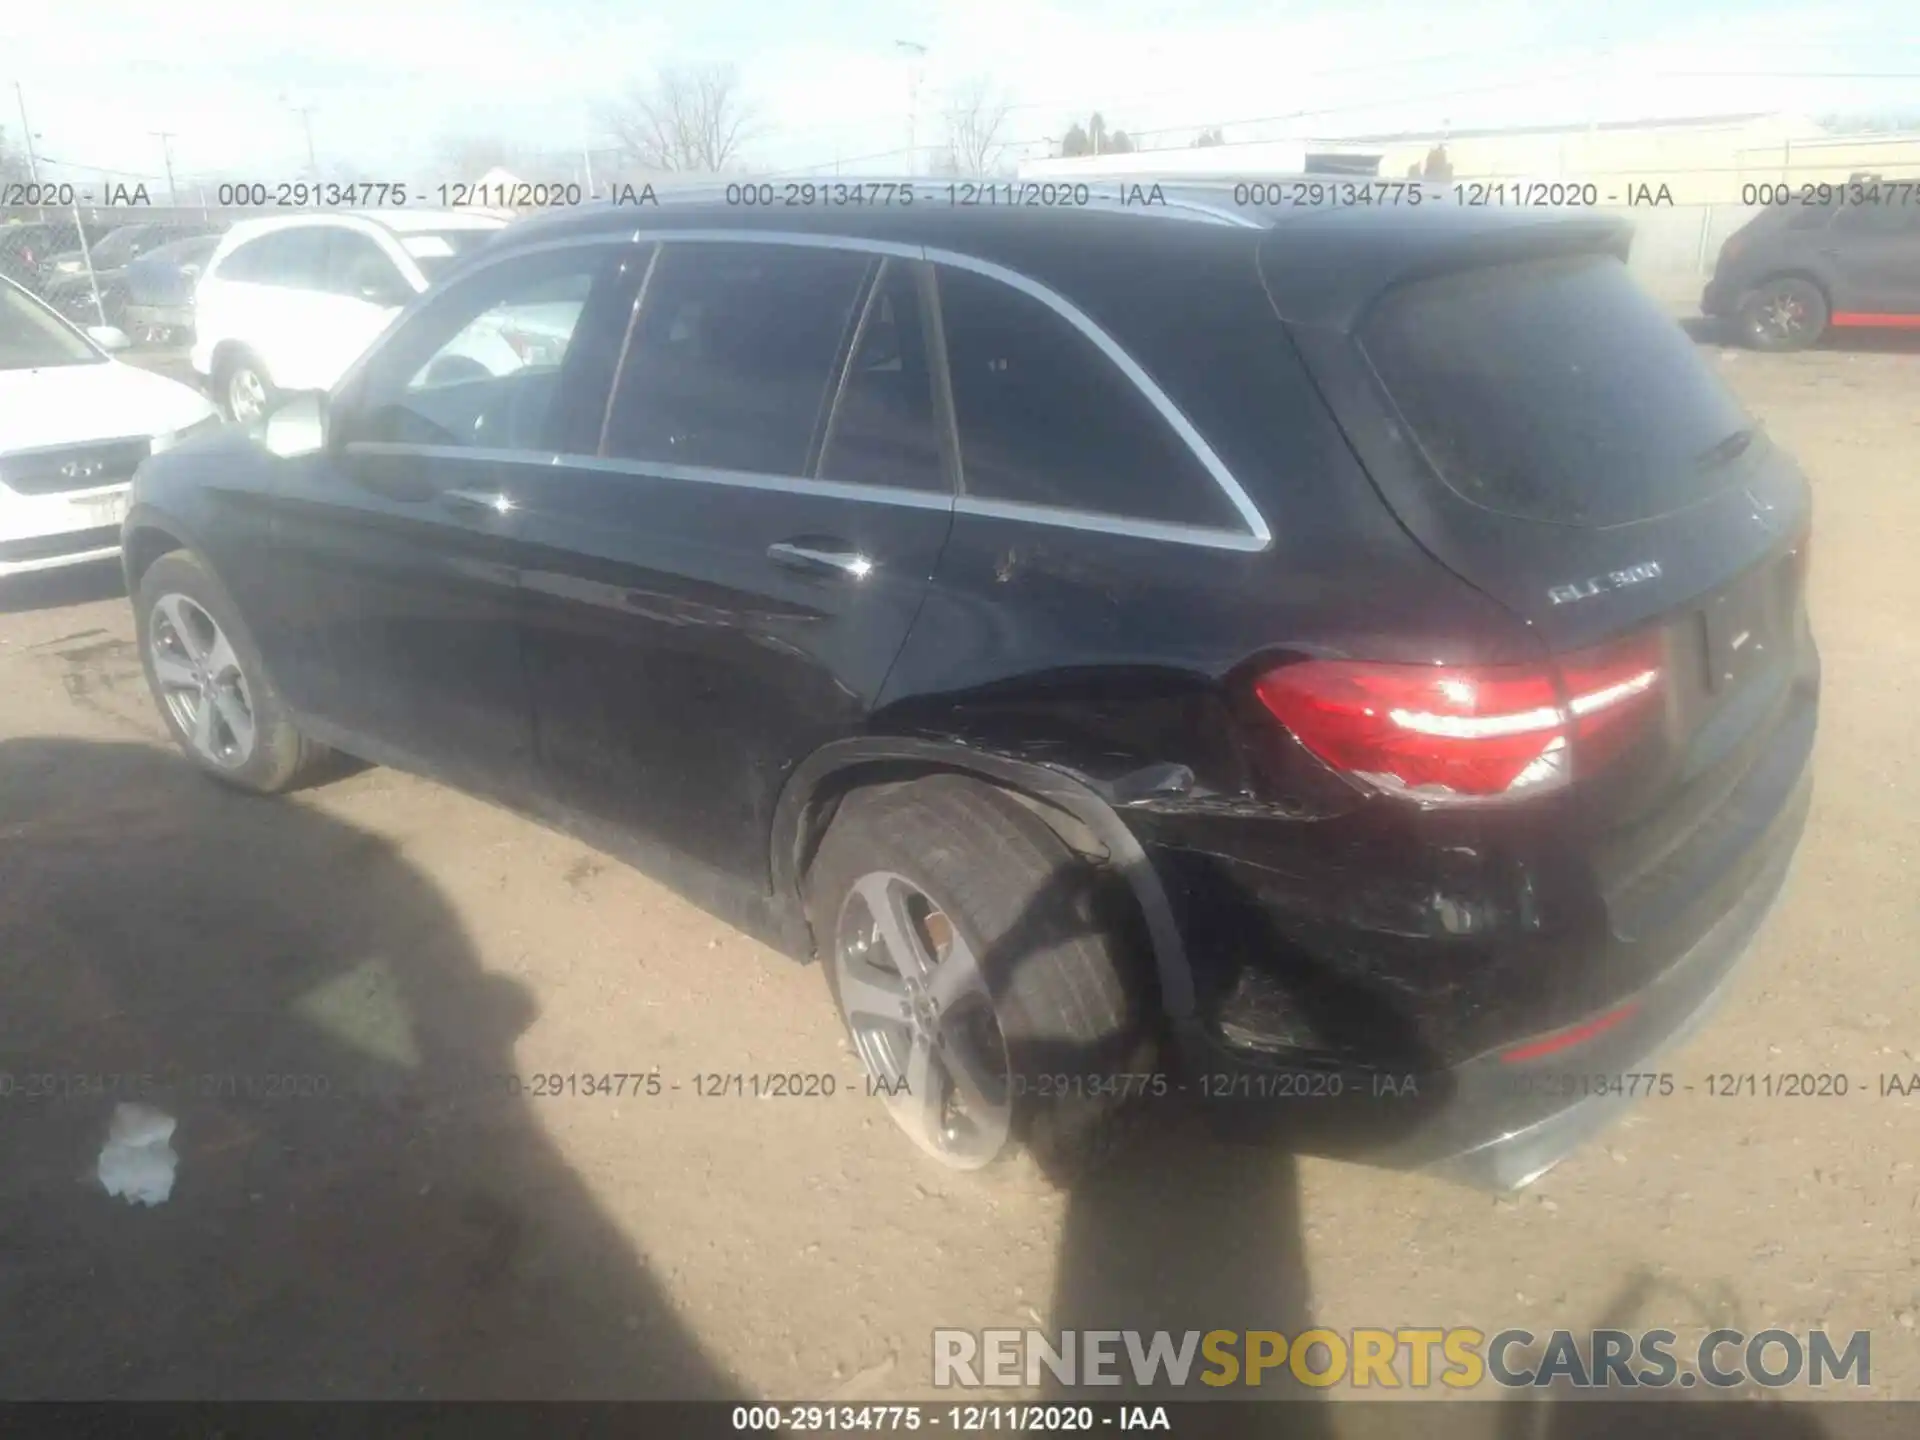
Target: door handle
x=495 y=500
x=822 y=557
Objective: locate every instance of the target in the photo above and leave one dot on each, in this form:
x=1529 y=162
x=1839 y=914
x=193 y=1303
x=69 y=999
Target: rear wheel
x=242 y=389
x=1783 y=314
x=984 y=973
x=208 y=682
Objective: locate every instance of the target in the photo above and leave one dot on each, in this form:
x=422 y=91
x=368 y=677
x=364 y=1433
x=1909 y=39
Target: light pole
x=305 y=112
x=915 y=53
x=26 y=132
x=166 y=155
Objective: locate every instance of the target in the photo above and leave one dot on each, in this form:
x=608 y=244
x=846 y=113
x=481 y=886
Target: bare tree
x=976 y=115
x=691 y=120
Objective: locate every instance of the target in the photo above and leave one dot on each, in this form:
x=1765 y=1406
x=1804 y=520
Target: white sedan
x=74 y=424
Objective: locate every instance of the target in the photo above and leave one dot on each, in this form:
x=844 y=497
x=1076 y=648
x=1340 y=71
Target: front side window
x=295 y=257
x=32 y=337
x=485 y=366
x=734 y=354
x=1047 y=418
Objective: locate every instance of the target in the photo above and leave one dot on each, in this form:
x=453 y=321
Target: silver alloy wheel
x=1784 y=317
x=246 y=394
x=922 y=1020
x=201 y=681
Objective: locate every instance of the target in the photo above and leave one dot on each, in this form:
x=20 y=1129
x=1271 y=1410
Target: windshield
x=434 y=251
x=32 y=337
x=118 y=248
x=1556 y=390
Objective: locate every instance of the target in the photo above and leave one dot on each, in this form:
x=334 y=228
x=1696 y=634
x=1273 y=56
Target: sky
x=388 y=87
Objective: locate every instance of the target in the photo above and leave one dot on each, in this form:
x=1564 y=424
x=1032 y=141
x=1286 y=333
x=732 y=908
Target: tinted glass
x=1880 y=219
x=32 y=337
x=735 y=354
x=484 y=367
x=1555 y=390
x=1047 y=418
x=295 y=257
x=357 y=266
x=121 y=246
x=882 y=431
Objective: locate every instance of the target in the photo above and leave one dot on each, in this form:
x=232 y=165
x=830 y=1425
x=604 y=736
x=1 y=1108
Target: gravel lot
x=433 y=1234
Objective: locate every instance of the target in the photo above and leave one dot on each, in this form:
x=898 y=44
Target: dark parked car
x=28 y=249
x=1795 y=271
x=159 y=288
x=69 y=289
x=1358 y=659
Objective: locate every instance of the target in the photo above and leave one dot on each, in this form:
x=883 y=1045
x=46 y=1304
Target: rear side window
x=1555 y=390
x=1894 y=221
x=295 y=257
x=1046 y=418
x=882 y=431
x=734 y=355
x=358 y=267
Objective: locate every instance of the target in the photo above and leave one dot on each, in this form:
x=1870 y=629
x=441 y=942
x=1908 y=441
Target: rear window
x=1555 y=390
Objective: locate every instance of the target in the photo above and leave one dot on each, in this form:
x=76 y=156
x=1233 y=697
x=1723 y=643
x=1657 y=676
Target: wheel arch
x=144 y=541
x=1065 y=803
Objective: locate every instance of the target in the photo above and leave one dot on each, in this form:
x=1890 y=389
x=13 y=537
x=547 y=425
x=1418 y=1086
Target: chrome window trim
x=1257 y=531
x=694 y=474
x=1243 y=505
x=1103 y=524
x=802 y=485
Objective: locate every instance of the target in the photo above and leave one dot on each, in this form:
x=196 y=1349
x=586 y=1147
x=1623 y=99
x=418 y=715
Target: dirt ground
x=418 y=1229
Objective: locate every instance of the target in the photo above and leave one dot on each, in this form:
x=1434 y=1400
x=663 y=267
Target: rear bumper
x=1597 y=1082
x=172 y=317
x=1501 y=1119
x=1720 y=298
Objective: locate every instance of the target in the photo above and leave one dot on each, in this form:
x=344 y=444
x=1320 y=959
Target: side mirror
x=298 y=427
x=109 y=337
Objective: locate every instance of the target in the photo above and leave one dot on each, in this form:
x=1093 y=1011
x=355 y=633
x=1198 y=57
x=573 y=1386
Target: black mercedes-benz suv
x=1343 y=670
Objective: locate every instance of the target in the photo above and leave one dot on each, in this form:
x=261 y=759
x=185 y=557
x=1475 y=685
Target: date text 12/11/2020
x=1316 y=1087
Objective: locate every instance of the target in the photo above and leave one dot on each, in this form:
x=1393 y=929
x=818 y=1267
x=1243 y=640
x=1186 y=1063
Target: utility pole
x=26 y=130
x=305 y=112
x=166 y=155
x=915 y=53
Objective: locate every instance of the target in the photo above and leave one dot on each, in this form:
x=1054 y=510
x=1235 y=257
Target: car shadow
x=66 y=585
x=1558 y=1412
x=363 y=1206
x=1189 y=1219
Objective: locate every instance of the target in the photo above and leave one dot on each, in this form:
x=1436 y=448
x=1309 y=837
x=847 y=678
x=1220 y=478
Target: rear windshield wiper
x=1729 y=449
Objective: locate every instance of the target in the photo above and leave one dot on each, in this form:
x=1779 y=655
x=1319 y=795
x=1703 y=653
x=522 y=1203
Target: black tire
x=1057 y=940
x=1783 y=314
x=233 y=367
x=279 y=756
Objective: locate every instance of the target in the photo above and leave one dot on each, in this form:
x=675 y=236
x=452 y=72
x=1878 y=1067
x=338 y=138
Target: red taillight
x=1451 y=735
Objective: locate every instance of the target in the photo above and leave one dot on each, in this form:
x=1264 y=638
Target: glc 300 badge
x=1601 y=584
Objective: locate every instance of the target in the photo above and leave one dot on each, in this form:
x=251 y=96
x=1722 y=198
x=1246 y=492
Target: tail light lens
x=1448 y=735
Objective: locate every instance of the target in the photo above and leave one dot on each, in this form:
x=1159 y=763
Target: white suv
x=289 y=303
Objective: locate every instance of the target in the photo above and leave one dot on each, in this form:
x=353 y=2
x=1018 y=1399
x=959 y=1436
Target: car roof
x=1319 y=265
